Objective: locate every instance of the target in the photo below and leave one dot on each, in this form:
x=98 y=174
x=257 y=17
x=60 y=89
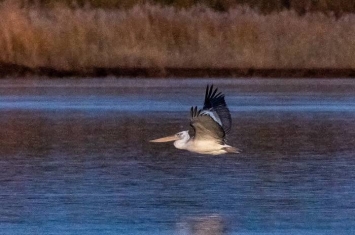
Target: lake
x=76 y=158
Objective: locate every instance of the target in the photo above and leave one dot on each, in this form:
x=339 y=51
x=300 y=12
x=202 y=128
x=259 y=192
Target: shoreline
x=13 y=70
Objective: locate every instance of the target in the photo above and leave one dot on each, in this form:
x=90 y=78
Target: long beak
x=165 y=139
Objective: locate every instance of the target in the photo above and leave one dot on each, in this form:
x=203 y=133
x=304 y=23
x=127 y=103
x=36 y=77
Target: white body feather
x=201 y=146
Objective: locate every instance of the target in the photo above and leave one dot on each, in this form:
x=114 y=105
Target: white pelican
x=211 y=124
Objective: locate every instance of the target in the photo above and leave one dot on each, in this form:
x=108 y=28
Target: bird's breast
x=205 y=147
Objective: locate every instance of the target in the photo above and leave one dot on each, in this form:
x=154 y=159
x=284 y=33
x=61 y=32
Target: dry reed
x=152 y=36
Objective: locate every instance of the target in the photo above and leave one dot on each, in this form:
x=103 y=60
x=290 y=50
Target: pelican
x=210 y=124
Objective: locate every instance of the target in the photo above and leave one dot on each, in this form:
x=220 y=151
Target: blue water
x=75 y=158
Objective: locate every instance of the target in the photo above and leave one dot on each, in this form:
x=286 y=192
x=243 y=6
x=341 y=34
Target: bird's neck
x=182 y=144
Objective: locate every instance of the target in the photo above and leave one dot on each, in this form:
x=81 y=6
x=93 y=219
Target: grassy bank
x=338 y=7
x=146 y=36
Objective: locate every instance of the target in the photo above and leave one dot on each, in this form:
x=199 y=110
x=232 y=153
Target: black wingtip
x=208 y=91
x=211 y=92
x=194 y=112
x=213 y=97
x=214 y=100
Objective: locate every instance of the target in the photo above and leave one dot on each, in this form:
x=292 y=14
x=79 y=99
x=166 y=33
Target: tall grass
x=153 y=36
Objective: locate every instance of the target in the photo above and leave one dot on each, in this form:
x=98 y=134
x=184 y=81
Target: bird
x=210 y=125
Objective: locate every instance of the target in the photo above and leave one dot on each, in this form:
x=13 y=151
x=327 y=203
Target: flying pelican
x=210 y=124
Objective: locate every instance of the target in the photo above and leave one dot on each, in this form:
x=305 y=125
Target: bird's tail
x=231 y=149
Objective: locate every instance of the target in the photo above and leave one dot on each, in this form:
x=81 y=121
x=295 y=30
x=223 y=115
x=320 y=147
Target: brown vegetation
x=148 y=36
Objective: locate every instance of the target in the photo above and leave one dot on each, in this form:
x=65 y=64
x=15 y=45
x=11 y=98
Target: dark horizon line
x=13 y=70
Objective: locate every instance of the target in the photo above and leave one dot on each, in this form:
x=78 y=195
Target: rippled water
x=75 y=158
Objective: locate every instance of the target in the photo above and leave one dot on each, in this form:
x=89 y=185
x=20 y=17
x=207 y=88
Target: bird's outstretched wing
x=205 y=127
x=216 y=107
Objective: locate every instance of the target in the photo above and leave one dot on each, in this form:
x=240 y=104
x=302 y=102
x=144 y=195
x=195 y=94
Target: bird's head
x=178 y=136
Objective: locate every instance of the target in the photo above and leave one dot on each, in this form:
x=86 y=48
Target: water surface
x=75 y=157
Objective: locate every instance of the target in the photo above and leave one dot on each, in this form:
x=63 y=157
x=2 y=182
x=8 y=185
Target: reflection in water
x=93 y=171
x=203 y=225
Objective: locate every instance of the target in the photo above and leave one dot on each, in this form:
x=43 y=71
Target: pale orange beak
x=165 y=139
